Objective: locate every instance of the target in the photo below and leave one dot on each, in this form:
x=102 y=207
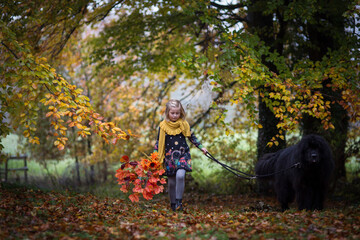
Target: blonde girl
x=174 y=151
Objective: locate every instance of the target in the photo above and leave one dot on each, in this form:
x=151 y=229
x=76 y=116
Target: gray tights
x=176 y=185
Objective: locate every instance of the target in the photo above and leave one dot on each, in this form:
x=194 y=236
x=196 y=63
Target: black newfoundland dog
x=303 y=172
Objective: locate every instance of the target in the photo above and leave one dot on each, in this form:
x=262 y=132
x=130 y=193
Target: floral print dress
x=177 y=152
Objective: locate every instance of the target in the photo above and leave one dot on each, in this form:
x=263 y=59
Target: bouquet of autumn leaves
x=142 y=177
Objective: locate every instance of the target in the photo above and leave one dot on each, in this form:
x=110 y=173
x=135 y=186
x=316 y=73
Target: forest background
x=253 y=76
x=85 y=82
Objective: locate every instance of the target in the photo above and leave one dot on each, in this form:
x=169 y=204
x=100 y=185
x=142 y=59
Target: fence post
x=24 y=159
x=6 y=169
x=25 y=171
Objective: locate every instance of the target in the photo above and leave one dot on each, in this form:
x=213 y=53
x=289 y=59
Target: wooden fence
x=6 y=170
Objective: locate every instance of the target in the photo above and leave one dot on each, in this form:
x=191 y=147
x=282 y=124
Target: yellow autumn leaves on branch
x=29 y=79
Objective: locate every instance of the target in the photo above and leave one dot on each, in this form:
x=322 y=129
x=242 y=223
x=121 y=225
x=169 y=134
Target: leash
x=234 y=171
x=245 y=175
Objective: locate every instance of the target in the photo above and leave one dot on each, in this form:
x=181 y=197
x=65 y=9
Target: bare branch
x=207 y=112
x=107 y=12
x=227 y=7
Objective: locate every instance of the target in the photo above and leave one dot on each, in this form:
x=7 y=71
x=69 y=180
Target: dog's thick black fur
x=306 y=183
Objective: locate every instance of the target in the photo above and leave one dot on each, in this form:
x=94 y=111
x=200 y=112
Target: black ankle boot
x=173 y=206
x=179 y=206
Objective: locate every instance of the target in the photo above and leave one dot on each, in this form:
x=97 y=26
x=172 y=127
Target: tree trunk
x=92 y=167
x=263 y=26
x=77 y=166
x=268 y=120
x=105 y=170
x=323 y=37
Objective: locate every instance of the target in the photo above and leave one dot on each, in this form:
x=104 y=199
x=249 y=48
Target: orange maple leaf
x=140 y=172
x=154 y=156
x=137 y=189
x=134 y=197
x=145 y=164
x=147 y=195
x=162 y=181
x=158 y=189
x=124 y=188
x=153 y=180
x=124 y=158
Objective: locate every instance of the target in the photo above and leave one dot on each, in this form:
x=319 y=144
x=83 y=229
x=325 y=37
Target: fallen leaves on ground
x=34 y=214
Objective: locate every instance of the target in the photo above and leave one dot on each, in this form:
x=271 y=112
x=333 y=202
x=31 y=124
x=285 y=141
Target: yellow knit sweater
x=171 y=128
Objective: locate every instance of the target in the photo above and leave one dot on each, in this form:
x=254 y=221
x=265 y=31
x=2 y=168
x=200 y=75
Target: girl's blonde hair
x=173 y=103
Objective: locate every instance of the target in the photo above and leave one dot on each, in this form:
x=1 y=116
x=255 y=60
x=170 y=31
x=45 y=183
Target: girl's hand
x=204 y=150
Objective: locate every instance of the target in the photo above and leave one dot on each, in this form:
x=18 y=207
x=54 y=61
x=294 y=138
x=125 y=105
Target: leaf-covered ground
x=34 y=214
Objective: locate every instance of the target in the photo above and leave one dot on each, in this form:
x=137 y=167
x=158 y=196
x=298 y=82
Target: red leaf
x=134 y=197
x=124 y=158
x=124 y=188
x=138 y=189
x=147 y=195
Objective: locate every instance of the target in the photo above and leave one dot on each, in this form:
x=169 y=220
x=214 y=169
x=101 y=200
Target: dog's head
x=312 y=155
x=312 y=150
